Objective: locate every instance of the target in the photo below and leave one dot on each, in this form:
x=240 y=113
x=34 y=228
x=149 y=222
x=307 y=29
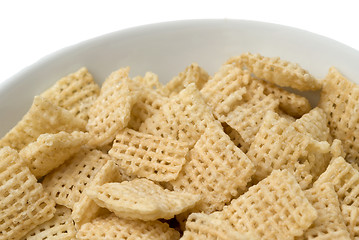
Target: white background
x=30 y=30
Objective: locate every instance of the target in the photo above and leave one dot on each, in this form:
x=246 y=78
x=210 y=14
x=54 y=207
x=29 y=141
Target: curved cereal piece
x=275 y=70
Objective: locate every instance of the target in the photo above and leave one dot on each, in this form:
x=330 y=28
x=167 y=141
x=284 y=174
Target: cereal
x=24 y=204
x=351 y=218
x=141 y=199
x=148 y=156
x=75 y=92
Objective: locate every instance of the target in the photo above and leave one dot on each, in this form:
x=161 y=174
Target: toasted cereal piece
x=148 y=102
x=150 y=80
x=51 y=150
x=336 y=149
x=66 y=183
x=339 y=100
x=184 y=117
x=345 y=179
x=23 y=202
x=75 y=92
x=192 y=74
x=226 y=89
x=141 y=199
x=43 y=117
x=330 y=221
x=351 y=218
x=216 y=169
x=278 y=71
x=208 y=227
x=112 y=227
x=247 y=118
x=278 y=145
x=275 y=208
x=144 y=155
x=235 y=137
x=60 y=226
x=86 y=209
x=111 y=111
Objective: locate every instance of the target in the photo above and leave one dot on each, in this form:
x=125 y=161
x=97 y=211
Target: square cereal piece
x=278 y=71
x=216 y=169
x=24 y=204
x=60 y=226
x=275 y=208
x=340 y=101
x=278 y=145
x=192 y=74
x=184 y=117
x=111 y=111
x=330 y=221
x=51 y=150
x=141 y=199
x=66 y=183
x=345 y=179
x=351 y=218
x=43 y=117
x=208 y=227
x=86 y=209
x=144 y=155
x=75 y=92
x=111 y=227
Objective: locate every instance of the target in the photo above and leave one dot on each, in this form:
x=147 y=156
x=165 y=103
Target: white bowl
x=167 y=48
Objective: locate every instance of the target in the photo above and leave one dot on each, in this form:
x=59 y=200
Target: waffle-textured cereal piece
x=278 y=145
x=200 y=226
x=192 y=74
x=75 y=92
x=184 y=117
x=111 y=111
x=225 y=90
x=345 y=179
x=51 y=150
x=278 y=71
x=275 y=208
x=216 y=169
x=141 y=199
x=59 y=227
x=247 y=117
x=111 y=227
x=148 y=156
x=150 y=80
x=86 y=209
x=351 y=218
x=235 y=137
x=330 y=221
x=23 y=202
x=339 y=100
x=148 y=102
x=43 y=117
x=66 y=183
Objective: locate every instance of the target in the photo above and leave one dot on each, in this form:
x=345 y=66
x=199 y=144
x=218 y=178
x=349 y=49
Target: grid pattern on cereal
x=278 y=71
x=235 y=137
x=75 y=92
x=141 y=199
x=111 y=111
x=351 y=218
x=66 y=183
x=51 y=150
x=43 y=117
x=330 y=222
x=216 y=169
x=111 y=227
x=60 y=226
x=145 y=155
x=24 y=204
x=275 y=208
x=339 y=100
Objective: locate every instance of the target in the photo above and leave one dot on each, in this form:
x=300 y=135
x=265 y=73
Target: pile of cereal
x=228 y=156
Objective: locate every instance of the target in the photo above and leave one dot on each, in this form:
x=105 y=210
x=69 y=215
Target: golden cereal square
x=145 y=155
x=43 y=117
x=24 y=204
x=75 y=92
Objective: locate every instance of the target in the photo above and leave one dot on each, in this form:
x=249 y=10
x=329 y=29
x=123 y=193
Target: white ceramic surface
x=167 y=48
